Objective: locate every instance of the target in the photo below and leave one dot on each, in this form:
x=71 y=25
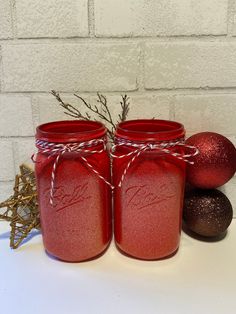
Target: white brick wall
x=54 y=18
x=6 y=190
x=48 y=109
x=233 y=16
x=16 y=116
x=158 y=106
x=6 y=161
x=5 y=19
x=23 y=149
x=70 y=67
x=162 y=17
x=214 y=113
x=190 y=64
x=229 y=189
x=176 y=59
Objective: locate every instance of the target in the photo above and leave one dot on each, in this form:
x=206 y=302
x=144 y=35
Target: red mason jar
x=72 y=165
x=149 y=186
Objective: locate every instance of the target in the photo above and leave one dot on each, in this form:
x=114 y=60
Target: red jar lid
x=150 y=130
x=70 y=131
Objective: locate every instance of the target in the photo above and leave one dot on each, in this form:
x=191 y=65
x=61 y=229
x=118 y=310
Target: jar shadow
x=5 y=235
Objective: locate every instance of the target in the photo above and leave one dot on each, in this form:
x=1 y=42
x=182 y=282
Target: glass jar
x=149 y=178
x=73 y=173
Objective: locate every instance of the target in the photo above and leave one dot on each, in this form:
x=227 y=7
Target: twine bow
x=163 y=147
x=59 y=149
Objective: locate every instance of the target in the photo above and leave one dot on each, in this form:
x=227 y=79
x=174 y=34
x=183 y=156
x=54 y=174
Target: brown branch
x=102 y=113
x=95 y=110
x=125 y=108
x=103 y=101
x=72 y=111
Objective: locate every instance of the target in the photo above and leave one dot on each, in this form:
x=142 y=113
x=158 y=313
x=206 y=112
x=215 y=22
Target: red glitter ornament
x=216 y=162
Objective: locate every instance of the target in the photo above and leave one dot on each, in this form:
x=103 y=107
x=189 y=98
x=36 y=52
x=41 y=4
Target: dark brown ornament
x=207 y=212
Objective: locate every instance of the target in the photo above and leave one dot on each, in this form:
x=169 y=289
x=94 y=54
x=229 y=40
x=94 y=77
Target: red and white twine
x=163 y=147
x=58 y=150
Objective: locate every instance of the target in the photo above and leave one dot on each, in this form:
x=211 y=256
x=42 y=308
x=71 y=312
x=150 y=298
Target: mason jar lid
x=150 y=130
x=70 y=131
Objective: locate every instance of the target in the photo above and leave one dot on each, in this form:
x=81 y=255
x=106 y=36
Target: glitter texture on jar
x=72 y=167
x=148 y=175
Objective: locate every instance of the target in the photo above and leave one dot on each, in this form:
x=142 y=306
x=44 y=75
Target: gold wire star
x=22 y=207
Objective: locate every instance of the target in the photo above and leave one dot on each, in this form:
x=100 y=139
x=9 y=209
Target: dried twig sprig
x=102 y=113
x=125 y=108
x=71 y=110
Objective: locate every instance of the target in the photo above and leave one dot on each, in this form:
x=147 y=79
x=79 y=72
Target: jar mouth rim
x=70 y=131
x=150 y=129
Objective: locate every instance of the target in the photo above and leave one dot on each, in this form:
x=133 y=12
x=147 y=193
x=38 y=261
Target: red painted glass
x=77 y=225
x=148 y=204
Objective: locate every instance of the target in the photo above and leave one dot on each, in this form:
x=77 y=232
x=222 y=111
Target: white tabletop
x=200 y=278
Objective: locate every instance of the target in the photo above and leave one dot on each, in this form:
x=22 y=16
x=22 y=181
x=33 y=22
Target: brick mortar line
x=13 y=19
x=7 y=181
x=162 y=91
x=35 y=110
x=14 y=155
x=230 y=18
x=202 y=38
x=141 y=74
x=172 y=108
x=192 y=89
x=12 y=182
x=91 y=18
x=1 y=70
